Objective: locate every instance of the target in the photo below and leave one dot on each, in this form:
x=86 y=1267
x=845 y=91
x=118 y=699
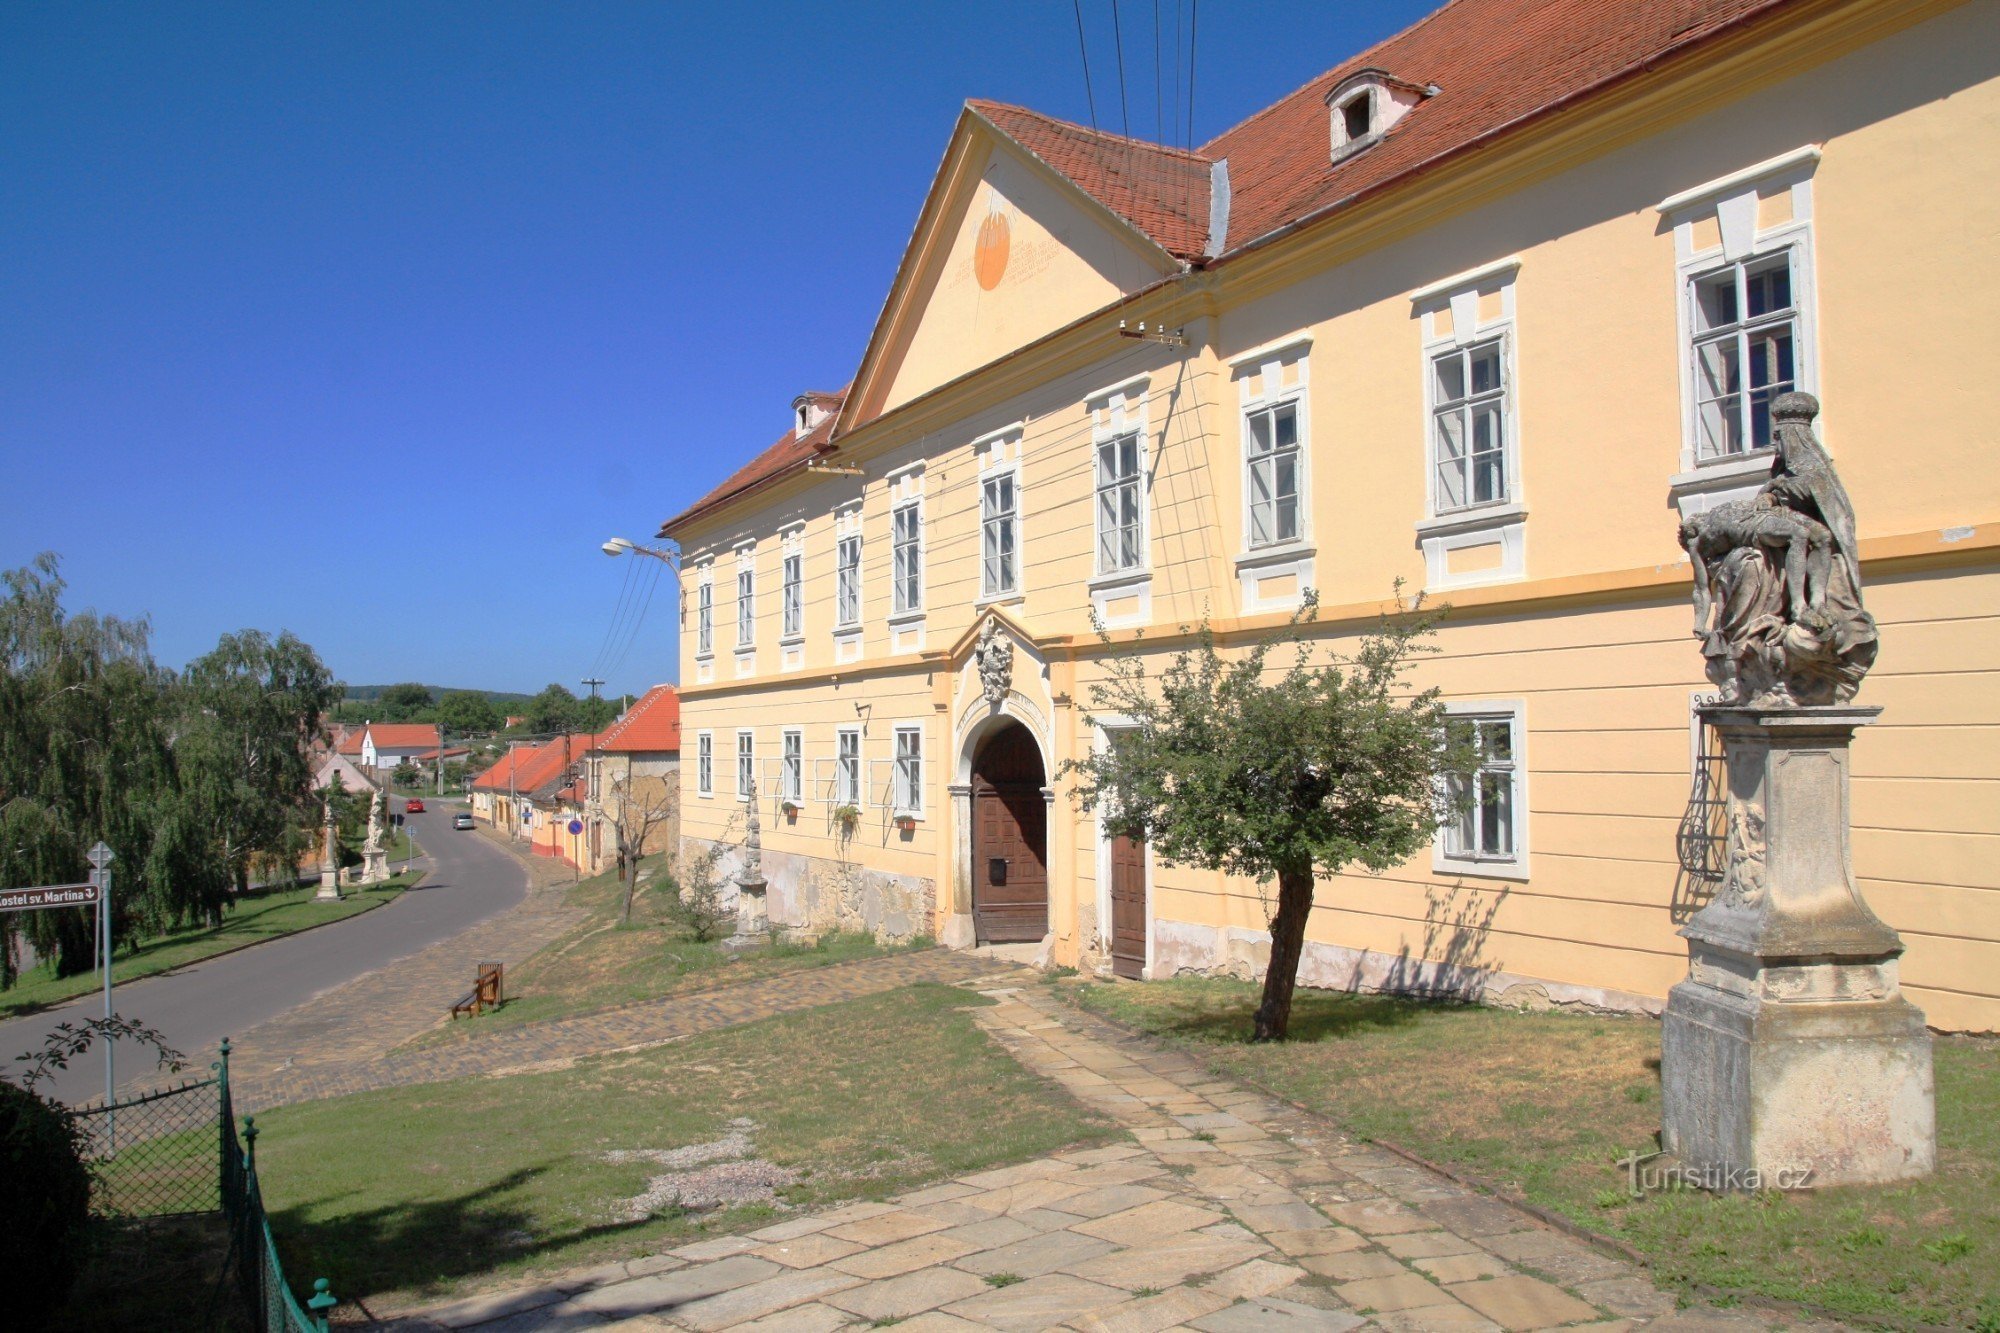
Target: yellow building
x=1485 y=309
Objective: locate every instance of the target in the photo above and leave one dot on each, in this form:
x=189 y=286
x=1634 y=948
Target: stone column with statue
x=329 y=856
x=1789 y=1055
x=753 y=917
x=374 y=857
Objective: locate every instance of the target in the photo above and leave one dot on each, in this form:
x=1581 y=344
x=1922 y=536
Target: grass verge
x=1544 y=1105
x=603 y=961
x=414 y=1193
x=251 y=919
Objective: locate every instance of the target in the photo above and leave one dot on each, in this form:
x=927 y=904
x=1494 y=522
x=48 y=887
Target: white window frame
x=746 y=761
x=704 y=603
x=1739 y=334
x=1447 y=857
x=1734 y=204
x=847 y=587
x=909 y=772
x=992 y=521
x=1120 y=485
x=1498 y=402
x=746 y=598
x=793 y=625
x=792 y=766
x=1294 y=402
x=847 y=782
x=906 y=551
x=704 y=763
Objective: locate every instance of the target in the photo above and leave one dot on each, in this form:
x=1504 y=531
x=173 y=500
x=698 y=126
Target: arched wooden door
x=1010 y=846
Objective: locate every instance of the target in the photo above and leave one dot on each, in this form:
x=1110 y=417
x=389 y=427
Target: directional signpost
x=96 y=893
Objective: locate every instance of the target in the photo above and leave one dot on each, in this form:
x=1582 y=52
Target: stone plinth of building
x=1789 y=1056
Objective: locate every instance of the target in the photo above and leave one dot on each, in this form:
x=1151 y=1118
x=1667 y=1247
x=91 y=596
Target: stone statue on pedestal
x=329 y=859
x=374 y=859
x=753 y=918
x=1789 y=1056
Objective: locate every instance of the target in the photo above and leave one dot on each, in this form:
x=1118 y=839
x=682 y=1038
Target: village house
x=382 y=746
x=1486 y=310
x=633 y=778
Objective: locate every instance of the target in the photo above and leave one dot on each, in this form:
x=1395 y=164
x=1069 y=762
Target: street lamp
x=623 y=545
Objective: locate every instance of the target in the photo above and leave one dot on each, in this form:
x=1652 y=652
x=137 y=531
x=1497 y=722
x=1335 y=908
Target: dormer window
x=1365 y=104
x=809 y=410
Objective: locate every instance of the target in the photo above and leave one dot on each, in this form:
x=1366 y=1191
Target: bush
x=693 y=903
x=45 y=1199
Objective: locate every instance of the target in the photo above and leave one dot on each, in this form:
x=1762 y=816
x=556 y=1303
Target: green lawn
x=1543 y=1105
x=602 y=961
x=252 y=919
x=416 y=1193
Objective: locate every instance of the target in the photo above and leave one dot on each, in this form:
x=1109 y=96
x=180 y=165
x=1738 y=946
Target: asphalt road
x=196 y=1007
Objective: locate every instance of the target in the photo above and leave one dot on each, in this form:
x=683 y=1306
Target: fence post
x=322 y=1301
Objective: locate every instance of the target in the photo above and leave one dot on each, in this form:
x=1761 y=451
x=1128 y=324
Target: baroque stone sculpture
x=374 y=859
x=1777 y=579
x=995 y=656
x=753 y=916
x=329 y=861
x=1789 y=1055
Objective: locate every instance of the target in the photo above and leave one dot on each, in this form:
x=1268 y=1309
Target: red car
x=413 y=806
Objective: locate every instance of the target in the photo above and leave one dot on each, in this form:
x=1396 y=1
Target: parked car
x=461 y=821
x=413 y=806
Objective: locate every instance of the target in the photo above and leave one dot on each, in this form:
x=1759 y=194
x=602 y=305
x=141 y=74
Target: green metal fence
x=154 y=1155
x=260 y=1277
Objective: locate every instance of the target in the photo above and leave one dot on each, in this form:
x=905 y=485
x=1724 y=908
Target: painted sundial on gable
x=989 y=250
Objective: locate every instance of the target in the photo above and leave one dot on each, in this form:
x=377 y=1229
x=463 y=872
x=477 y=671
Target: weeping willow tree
x=185 y=778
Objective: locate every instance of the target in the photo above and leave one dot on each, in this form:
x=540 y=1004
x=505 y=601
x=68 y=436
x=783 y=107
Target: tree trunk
x=1288 y=938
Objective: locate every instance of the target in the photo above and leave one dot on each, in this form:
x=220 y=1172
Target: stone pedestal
x=374 y=865
x=329 y=882
x=1789 y=1056
x=753 y=916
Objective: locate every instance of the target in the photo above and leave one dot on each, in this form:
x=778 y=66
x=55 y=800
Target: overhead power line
x=1082 y=50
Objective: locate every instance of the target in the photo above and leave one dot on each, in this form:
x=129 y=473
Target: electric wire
x=1118 y=45
x=617 y=616
x=1083 y=51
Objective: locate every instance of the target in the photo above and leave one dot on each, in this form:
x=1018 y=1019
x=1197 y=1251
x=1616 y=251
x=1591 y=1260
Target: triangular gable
x=1007 y=249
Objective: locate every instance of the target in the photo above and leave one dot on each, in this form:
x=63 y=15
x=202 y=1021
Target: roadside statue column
x=329 y=859
x=753 y=919
x=1789 y=1056
x=374 y=858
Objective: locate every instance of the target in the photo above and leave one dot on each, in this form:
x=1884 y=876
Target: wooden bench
x=485 y=993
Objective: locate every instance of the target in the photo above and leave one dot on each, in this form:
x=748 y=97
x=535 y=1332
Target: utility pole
x=592 y=815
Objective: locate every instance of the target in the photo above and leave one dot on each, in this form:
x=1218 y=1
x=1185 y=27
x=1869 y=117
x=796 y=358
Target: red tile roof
x=1497 y=65
x=401 y=735
x=652 y=725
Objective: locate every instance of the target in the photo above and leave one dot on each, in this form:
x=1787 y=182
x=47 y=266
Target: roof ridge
x=1272 y=107
x=1191 y=155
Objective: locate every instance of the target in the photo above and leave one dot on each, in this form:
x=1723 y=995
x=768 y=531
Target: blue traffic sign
x=576 y=826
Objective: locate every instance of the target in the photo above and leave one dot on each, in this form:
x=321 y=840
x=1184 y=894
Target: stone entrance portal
x=1010 y=845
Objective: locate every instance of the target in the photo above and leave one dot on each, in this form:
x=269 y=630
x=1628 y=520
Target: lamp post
x=625 y=545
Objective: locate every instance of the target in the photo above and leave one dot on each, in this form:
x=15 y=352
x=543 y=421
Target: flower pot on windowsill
x=791 y=811
x=847 y=817
x=906 y=823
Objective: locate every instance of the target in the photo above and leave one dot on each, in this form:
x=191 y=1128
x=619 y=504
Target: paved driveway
x=470 y=880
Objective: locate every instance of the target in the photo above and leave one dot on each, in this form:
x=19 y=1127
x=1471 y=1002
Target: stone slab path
x=1227 y=1211
x=558 y=1042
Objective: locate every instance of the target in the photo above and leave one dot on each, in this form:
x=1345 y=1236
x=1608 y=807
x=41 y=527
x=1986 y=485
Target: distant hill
x=363 y=693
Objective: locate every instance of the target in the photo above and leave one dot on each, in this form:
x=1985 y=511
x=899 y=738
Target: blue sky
x=371 y=321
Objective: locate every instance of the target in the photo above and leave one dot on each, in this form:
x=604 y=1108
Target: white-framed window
x=1487 y=832
x=746 y=763
x=1743 y=249
x=909 y=788
x=847 y=581
x=746 y=603
x=1272 y=473
x=704 y=763
x=1470 y=412
x=907 y=550
x=1000 y=533
x=792 y=766
x=794 y=604
x=1743 y=326
x=1121 y=530
x=704 y=603
x=847 y=766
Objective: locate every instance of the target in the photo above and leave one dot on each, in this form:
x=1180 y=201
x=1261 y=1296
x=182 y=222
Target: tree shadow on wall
x=1451 y=965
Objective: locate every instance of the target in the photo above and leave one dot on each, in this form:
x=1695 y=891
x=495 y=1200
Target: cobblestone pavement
x=356 y=1024
x=561 y=1041
x=1228 y=1211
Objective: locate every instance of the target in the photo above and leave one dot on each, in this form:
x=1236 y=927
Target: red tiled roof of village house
x=651 y=725
x=1497 y=64
x=401 y=735
x=495 y=778
x=349 y=741
x=546 y=763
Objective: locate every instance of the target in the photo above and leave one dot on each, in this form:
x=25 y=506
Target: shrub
x=45 y=1197
x=694 y=904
